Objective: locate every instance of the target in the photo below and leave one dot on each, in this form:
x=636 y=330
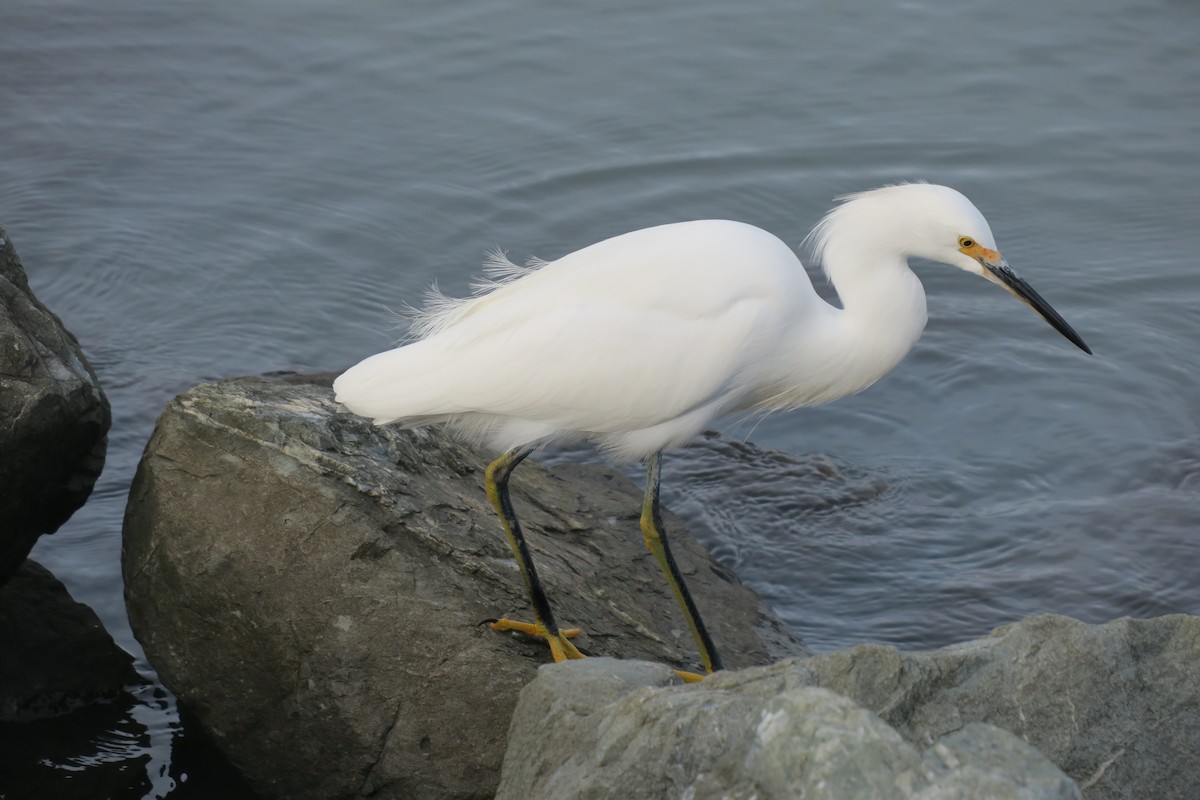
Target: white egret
x=640 y=341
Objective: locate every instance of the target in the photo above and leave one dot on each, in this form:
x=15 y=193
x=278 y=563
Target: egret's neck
x=836 y=352
x=883 y=310
x=882 y=299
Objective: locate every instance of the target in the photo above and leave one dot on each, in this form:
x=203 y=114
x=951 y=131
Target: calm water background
x=208 y=190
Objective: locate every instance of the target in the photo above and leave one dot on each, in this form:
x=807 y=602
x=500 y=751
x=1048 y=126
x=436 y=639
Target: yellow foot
x=561 y=647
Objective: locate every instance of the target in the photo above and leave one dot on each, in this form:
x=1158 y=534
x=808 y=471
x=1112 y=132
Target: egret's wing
x=625 y=334
x=591 y=366
x=598 y=367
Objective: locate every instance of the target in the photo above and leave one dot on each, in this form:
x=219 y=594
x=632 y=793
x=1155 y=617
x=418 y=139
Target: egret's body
x=640 y=341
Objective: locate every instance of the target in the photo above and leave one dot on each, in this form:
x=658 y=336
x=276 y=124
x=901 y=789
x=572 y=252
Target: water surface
x=227 y=188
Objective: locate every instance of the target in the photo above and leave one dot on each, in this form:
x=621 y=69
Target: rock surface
x=312 y=587
x=1115 y=706
x=53 y=418
x=56 y=655
x=602 y=729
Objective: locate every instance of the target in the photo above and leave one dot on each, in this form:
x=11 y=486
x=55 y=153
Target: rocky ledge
x=312 y=587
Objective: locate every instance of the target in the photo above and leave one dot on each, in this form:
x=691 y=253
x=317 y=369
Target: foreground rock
x=1116 y=707
x=312 y=587
x=602 y=729
x=53 y=418
x=56 y=655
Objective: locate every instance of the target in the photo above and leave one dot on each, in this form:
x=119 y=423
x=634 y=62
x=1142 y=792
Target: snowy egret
x=638 y=342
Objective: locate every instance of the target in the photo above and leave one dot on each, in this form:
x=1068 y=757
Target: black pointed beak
x=1002 y=274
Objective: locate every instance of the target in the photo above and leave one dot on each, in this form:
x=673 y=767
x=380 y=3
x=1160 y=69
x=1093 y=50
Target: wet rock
x=56 y=656
x=312 y=588
x=53 y=418
x=602 y=729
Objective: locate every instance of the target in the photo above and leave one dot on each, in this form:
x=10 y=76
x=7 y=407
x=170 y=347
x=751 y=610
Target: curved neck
x=835 y=352
x=883 y=311
x=881 y=297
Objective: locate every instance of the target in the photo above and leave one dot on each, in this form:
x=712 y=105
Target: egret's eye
x=966 y=243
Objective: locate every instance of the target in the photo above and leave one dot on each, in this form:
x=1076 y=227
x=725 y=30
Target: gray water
x=213 y=189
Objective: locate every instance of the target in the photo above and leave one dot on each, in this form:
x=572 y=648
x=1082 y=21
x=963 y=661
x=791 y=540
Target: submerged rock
x=601 y=729
x=56 y=656
x=312 y=587
x=1116 y=707
x=53 y=418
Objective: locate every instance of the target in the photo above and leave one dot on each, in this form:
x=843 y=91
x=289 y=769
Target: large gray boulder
x=312 y=587
x=601 y=729
x=53 y=418
x=1116 y=707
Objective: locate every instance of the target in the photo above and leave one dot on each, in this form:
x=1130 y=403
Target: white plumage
x=640 y=341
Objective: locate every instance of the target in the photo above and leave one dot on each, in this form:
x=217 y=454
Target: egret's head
x=923 y=220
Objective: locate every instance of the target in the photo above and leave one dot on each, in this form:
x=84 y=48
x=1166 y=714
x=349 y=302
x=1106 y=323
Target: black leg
x=546 y=627
x=498 y=473
x=656 y=541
